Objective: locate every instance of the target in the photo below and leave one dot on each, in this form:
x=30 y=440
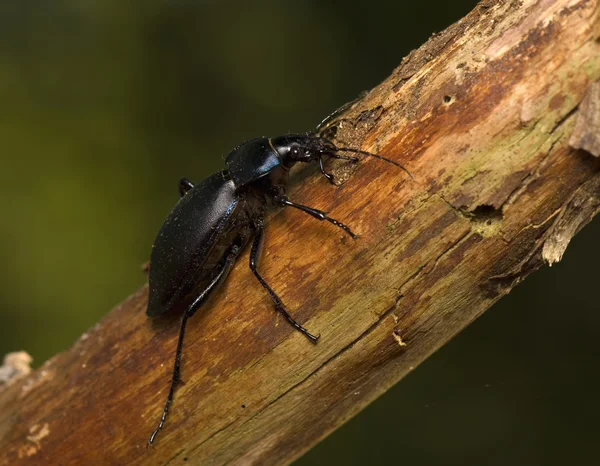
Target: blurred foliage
x=107 y=104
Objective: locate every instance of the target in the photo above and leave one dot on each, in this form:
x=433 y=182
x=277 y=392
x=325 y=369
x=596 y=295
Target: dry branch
x=481 y=115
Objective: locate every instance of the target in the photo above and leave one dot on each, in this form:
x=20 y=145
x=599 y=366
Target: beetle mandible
x=214 y=220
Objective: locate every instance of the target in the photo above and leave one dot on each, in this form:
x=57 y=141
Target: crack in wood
x=312 y=374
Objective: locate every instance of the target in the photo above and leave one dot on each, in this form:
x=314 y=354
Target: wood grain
x=481 y=115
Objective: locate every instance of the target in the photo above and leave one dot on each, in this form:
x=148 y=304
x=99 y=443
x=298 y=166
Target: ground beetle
x=215 y=220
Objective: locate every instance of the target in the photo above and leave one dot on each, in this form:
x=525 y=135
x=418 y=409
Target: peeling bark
x=586 y=134
x=481 y=115
x=572 y=217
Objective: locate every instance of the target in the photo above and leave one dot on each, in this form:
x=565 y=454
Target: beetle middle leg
x=225 y=267
x=184 y=186
x=254 y=255
x=318 y=214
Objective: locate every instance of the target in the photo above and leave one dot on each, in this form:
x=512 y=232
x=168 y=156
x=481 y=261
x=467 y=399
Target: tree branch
x=481 y=115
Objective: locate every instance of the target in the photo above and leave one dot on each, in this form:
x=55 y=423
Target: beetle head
x=294 y=148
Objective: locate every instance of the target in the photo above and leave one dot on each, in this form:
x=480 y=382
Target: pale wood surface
x=481 y=115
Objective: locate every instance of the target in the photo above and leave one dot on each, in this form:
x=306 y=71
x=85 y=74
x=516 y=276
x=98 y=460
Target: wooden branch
x=481 y=115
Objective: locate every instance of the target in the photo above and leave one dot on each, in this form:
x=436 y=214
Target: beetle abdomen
x=188 y=245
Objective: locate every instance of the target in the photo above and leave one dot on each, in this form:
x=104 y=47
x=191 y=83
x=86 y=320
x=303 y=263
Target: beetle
x=214 y=221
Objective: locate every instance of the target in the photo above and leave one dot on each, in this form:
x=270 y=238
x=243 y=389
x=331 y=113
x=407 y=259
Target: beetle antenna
x=363 y=152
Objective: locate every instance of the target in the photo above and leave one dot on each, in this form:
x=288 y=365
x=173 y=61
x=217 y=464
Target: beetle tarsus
x=150 y=442
x=279 y=306
x=174 y=380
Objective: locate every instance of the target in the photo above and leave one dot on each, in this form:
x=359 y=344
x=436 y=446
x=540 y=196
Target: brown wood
x=481 y=115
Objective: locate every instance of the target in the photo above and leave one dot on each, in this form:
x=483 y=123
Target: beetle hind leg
x=279 y=306
x=225 y=267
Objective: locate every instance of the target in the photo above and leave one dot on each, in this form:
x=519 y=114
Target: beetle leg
x=184 y=186
x=227 y=264
x=254 y=255
x=318 y=214
x=329 y=176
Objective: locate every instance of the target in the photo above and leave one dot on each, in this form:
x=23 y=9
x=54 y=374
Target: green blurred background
x=106 y=104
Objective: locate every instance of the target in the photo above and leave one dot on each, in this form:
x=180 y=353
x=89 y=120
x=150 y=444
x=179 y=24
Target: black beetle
x=215 y=220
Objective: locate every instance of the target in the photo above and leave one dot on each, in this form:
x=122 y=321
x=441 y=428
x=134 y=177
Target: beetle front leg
x=318 y=214
x=254 y=255
x=327 y=175
x=184 y=186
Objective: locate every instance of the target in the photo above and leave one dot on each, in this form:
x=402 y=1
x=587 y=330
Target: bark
x=481 y=115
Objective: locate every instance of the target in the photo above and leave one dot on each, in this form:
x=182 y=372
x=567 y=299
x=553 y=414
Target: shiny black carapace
x=217 y=218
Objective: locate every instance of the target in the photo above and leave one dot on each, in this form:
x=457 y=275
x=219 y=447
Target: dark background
x=106 y=104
